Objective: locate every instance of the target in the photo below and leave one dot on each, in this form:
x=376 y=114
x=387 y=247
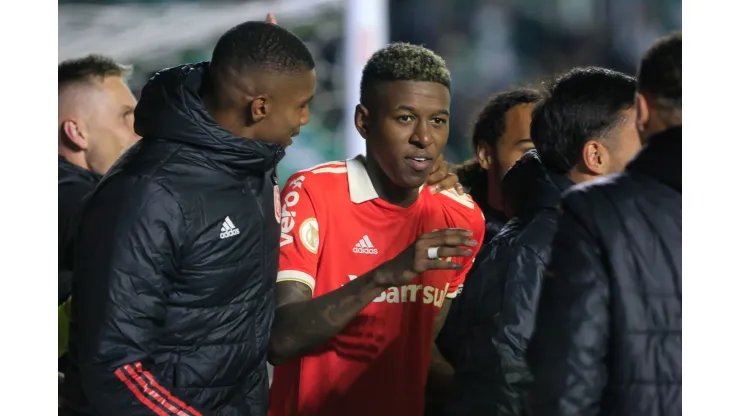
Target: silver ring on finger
x=433 y=253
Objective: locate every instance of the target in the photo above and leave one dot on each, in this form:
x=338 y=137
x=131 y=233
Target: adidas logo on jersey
x=365 y=247
x=228 y=229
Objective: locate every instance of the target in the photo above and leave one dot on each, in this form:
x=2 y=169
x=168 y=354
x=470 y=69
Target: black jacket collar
x=661 y=158
x=529 y=187
x=171 y=108
x=68 y=171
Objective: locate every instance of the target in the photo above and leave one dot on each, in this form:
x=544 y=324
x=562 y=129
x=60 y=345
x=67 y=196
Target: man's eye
x=405 y=118
x=438 y=120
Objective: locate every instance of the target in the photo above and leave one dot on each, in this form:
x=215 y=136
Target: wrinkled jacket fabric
x=501 y=294
x=448 y=339
x=171 y=305
x=75 y=184
x=608 y=331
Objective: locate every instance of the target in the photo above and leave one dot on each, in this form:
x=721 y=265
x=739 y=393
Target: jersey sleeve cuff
x=453 y=293
x=297 y=276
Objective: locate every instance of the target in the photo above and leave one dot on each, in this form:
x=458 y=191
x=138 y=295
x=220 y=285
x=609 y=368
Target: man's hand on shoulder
x=443 y=177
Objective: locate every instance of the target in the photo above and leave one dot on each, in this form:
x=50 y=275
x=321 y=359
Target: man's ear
x=484 y=154
x=75 y=134
x=643 y=111
x=595 y=157
x=259 y=107
x=362 y=118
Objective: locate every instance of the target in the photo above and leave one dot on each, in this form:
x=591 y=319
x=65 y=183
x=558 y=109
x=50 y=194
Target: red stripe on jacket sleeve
x=151 y=392
x=143 y=399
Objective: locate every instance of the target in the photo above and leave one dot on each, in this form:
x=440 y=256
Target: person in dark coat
x=500 y=138
x=608 y=330
x=177 y=248
x=583 y=128
x=96 y=125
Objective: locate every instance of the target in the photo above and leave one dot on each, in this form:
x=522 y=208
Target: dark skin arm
x=302 y=323
x=441 y=373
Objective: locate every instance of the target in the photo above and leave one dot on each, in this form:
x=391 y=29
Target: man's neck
x=580 y=177
x=75 y=158
x=495 y=193
x=386 y=189
x=663 y=128
x=660 y=121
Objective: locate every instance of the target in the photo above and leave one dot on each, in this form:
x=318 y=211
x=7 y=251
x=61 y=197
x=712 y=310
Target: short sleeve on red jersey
x=470 y=217
x=299 y=233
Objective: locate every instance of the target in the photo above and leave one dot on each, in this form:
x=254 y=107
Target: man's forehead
x=517 y=122
x=117 y=89
x=300 y=85
x=274 y=83
x=417 y=94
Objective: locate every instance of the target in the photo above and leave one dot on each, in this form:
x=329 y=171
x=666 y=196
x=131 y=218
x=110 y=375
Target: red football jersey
x=334 y=228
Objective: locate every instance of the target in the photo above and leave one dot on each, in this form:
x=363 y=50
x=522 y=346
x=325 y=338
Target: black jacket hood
x=171 y=108
x=530 y=187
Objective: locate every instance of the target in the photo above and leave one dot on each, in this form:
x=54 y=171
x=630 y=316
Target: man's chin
x=287 y=143
x=413 y=181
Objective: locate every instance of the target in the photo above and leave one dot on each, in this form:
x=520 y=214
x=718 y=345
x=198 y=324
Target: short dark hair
x=491 y=122
x=263 y=46
x=89 y=68
x=659 y=74
x=401 y=61
x=581 y=105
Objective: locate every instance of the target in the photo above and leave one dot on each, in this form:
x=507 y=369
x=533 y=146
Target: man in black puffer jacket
x=608 y=331
x=588 y=114
x=96 y=125
x=177 y=251
x=500 y=138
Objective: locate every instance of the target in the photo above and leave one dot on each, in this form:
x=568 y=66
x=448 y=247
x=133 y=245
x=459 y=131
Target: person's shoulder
x=463 y=211
x=450 y=200
x=320 y=179
x=74 y=187
x=607 y=192
x=123 y=188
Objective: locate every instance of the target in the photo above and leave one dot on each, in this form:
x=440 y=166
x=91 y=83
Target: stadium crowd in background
x=190 y=270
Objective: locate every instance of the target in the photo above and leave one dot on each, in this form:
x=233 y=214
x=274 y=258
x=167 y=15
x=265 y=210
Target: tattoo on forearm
x=301 y=326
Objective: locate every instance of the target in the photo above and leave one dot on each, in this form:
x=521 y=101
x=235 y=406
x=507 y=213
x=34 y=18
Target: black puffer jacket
x=475 y=180
x=75 y=184
x=608 y=332
x=501 y=294
x=175 y=264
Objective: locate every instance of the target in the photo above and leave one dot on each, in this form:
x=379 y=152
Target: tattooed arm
x=302 y=323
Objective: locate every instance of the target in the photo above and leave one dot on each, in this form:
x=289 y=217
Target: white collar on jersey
x=361 y=188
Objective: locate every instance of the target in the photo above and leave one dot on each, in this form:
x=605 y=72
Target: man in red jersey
x=369 y=259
